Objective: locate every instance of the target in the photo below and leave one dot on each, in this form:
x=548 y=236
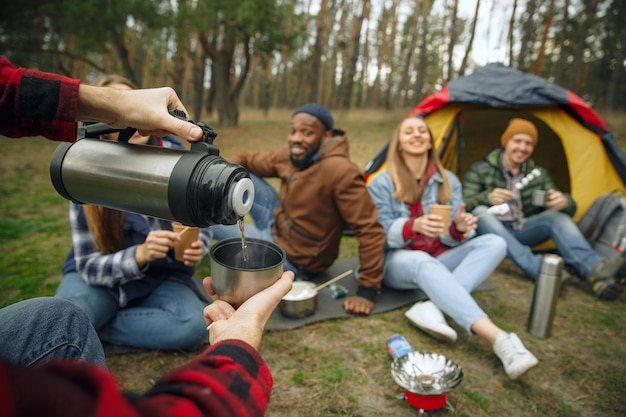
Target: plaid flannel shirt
x=227 y=379
x=119 y=269
x=34 y=103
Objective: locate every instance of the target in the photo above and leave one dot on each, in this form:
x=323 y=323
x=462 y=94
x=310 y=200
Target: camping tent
x=470 y=113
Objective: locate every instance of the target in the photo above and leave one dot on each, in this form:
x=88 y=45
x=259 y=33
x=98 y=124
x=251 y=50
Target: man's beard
x=307 y=160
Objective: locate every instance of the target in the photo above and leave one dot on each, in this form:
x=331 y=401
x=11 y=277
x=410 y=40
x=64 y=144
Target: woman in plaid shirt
x=123 y=273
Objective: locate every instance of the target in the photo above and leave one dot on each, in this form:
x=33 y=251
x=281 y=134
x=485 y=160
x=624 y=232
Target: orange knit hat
x=516 y=126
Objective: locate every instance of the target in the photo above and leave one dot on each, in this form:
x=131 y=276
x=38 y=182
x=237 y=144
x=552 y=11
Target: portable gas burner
x=426 y=378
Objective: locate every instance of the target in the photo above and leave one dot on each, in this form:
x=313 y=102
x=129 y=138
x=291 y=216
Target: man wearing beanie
x=502 y=177
x=321 y=193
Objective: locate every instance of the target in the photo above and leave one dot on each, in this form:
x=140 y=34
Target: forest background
x=223 y=55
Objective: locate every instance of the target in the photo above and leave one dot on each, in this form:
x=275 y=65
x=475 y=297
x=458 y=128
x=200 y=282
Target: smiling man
x=502 y=177
x=321 y=194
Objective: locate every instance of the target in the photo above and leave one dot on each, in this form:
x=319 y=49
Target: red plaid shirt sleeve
x=227 y=379
x=37 y=103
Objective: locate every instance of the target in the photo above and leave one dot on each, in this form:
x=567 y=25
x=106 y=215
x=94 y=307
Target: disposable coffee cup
x=188 y=235
x=539 y=198
x=444 y=211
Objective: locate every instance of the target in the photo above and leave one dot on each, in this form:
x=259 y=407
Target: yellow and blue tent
x=470 y=113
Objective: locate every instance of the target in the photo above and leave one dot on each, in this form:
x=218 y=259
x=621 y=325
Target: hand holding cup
x=187 y=235
x=445 y=212
x=247 y=322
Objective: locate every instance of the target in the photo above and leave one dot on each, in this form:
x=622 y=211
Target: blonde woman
x=445 y=261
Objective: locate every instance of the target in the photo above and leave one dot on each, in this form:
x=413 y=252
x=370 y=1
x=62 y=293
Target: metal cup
x=235 y=279
x=539 y=198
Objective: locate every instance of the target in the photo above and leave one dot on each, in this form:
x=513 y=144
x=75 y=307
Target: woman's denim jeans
x=448 y=279
x=170 y=317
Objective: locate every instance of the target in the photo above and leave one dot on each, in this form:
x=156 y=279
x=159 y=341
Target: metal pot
x=300 y=302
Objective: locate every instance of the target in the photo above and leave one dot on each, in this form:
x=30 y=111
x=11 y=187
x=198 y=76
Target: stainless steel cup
x=234 y=279
x=539 y=198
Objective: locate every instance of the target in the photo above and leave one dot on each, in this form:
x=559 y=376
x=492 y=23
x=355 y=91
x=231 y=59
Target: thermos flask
x=195 y=187
x=547 y=289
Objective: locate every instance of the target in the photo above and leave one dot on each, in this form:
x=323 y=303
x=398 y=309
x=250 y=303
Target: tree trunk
x=363 y=79
x=282 y=99
x=265 y=84
x=388 y=55
x=178 y=74
x=198 y=72
x=528 y=30
x=421 y=71
x=511 y=37
x=452 y=34
x=544 y=38
x=316 y=55
x=590 y=15
x=222 y=64
x=468 y=50
x=122 y=54
x=347 y=79
x=335 y=52
x=563 y=38
x=413 y=34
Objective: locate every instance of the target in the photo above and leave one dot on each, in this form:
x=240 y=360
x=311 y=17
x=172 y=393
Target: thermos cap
x=551 y=264
x=242 y=196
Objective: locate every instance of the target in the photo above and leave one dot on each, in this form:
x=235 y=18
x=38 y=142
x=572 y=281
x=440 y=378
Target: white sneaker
x=513 y=354
x=426 y=315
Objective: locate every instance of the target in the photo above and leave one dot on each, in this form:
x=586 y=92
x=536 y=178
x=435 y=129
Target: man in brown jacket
x=321 y=193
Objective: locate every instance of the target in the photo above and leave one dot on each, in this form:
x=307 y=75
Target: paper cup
x=188 y=234
x=444 y=211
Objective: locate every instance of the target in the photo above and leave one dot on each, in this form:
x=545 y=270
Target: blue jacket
x=393 y=214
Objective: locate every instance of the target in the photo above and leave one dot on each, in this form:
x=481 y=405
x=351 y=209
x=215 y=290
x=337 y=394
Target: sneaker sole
x=609 y=292
x=442 y=337
x=521 y=371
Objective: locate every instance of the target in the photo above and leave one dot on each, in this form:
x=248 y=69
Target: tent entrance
x=475 y=132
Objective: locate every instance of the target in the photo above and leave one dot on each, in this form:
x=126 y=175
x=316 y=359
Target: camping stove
x=426 y=378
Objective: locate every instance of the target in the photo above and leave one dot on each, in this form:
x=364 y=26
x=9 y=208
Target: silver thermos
x=547 y=289
x=195 y=187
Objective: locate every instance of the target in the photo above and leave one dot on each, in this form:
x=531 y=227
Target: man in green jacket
x=507 y=177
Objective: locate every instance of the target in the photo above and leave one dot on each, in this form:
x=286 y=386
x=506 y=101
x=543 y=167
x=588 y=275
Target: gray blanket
x=331 y=308
x=327 y=306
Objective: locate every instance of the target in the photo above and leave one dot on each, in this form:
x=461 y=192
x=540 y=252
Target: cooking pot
x=300 y=301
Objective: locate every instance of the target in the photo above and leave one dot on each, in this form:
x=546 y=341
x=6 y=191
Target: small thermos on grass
x=547 y=289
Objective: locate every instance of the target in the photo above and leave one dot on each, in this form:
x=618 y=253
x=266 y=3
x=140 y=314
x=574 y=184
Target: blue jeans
x=570 y=242
x=170 y=317
x=262 y=213
x=448 y=279
x=42 y=329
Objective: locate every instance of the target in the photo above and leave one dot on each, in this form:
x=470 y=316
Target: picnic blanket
x=328 y=307
x=331 y=308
